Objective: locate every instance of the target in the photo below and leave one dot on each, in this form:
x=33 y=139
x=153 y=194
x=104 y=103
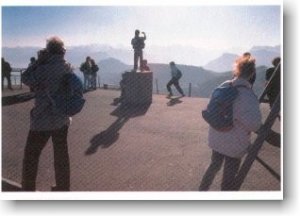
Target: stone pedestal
x=137 y=88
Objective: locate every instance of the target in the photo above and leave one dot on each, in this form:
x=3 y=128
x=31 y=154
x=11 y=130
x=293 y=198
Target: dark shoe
x=56 y=188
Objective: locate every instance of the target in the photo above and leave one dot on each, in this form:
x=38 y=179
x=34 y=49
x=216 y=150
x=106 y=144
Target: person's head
x=172 y=63
x=32 y=59
x=244 y=67
x=137 y=33
x=55 y=46
x=276 y=61
x=247 y=55
x=87 y=59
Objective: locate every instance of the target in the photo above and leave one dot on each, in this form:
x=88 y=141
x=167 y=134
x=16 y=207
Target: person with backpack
x=232 y=113
x=46 y=77
x=176 y=74
x=6 y=73
x=138 y=44
x=86 y=69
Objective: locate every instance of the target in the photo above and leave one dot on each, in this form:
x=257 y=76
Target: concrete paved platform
x=161 y=148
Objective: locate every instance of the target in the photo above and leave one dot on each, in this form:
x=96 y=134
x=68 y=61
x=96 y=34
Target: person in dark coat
x=274 y=89
x=86 y=69
x=94 y=69
x=45 y=77
x=6 y=73
x=138 y=44
x=176 y=75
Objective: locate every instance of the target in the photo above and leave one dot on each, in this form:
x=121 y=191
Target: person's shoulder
x=270 y=70
x=226 y=83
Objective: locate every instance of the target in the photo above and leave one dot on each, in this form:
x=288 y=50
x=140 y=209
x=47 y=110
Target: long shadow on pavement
x=109 y=136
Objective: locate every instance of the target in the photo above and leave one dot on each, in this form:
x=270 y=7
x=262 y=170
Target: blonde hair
x=244 y=66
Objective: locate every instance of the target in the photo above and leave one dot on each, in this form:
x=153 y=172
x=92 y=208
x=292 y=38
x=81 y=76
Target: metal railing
x=16 y=77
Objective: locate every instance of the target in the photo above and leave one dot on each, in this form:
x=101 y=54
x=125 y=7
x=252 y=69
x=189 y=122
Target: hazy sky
x=212 y=27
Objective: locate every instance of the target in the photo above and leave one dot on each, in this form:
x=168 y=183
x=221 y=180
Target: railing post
x=156 y=84
x=21 y=83
x=190 y=89
x=98 y=78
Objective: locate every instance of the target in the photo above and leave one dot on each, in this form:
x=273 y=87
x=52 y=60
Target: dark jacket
x=138 y=43
x=6 y=69
x=46 y=80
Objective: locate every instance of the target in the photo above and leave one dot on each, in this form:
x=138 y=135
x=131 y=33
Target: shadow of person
x=174 y=101
x=109 y=136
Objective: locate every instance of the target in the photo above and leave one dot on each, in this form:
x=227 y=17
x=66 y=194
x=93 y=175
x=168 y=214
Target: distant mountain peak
x=222 y=63
x=112 y=60
x=266 y=48
x=229 y=55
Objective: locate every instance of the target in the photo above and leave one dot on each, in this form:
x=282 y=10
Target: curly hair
x=55 y=46
x=244 y=67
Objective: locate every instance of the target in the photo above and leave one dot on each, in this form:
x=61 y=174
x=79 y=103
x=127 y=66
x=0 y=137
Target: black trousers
x=137 y=55
x=231 y=168
x=36 y=142
x=8 y=81
x=175 y=82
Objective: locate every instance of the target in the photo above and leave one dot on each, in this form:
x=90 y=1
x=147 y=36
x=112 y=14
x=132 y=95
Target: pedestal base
x=137 y=88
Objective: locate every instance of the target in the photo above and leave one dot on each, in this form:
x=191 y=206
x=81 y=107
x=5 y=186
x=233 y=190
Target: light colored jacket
x=45 y=79
x=247 y=118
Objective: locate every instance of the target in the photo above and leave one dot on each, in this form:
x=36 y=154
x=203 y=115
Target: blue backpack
x=219 y=112
x=69 y=100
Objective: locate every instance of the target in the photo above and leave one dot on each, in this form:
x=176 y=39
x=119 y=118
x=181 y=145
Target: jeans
x=175 y=82
x=231 y=168
x=87 y=81
x=36 y=142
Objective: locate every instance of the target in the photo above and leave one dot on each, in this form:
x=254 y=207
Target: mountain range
x=263 y=55
x=19 y=56
x=203 y=79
